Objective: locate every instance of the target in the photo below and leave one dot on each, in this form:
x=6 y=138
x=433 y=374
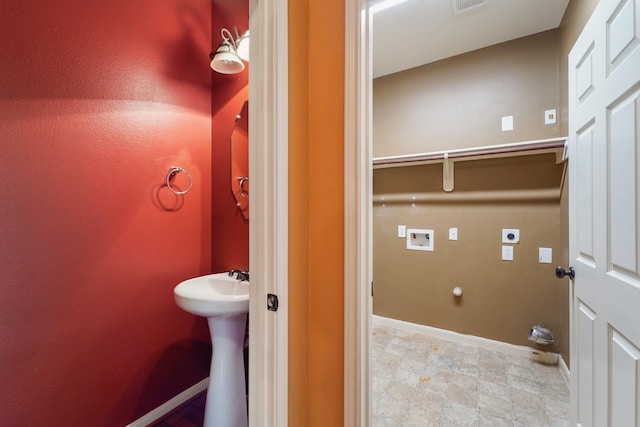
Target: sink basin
x=213 y=295
x=224 y=301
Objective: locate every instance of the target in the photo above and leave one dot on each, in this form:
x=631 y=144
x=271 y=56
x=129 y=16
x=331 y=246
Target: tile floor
x=422 y=381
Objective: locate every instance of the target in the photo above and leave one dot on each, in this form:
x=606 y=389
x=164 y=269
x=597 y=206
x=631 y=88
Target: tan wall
x=501 y=299
x=459 y=102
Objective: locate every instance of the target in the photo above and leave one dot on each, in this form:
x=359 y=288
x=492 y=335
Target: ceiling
x=417 y=32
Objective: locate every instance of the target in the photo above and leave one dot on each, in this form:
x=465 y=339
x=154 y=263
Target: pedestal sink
x=224 y=301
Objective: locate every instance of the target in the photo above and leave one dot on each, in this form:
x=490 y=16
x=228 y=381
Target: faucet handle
x=240 y=275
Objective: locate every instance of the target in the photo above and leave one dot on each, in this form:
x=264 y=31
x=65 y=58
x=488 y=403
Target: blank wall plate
x=507 y=123
x=402 y=231
x=545 y=255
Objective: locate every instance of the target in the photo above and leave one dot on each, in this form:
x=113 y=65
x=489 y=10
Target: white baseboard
x=564 y=371
x=487 y=344
x=170 y=405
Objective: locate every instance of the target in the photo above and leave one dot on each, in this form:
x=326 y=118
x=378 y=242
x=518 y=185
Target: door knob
x=561 y=272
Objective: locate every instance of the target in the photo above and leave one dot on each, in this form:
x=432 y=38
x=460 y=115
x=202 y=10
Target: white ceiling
x=418 y=32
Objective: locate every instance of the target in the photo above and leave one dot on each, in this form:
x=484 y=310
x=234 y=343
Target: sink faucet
x=240 y=275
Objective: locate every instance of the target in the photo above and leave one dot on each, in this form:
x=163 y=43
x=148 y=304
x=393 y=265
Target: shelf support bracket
x=447 y=174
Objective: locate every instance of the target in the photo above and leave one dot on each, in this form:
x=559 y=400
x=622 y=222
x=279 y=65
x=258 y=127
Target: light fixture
x=227 y=59
x=242 y=43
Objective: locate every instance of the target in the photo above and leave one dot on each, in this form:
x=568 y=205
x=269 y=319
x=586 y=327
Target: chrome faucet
x=240 y=275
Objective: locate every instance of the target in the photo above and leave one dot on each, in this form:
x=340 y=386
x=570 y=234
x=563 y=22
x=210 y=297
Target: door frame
x=357 y=214
x=268 y=216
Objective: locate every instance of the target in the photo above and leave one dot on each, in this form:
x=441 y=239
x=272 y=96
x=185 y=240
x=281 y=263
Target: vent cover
x=460 y=6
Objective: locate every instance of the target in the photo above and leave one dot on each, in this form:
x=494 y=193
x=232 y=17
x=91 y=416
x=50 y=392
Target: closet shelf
x=448 y=157
x=540 y=146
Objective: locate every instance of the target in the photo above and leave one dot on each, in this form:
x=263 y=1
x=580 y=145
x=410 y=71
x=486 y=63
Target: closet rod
x=502 y=150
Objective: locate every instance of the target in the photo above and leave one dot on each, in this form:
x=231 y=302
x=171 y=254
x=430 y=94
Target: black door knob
x=561 y=272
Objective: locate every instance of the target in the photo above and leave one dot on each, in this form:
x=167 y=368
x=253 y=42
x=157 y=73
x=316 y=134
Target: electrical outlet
x=510 y=235
x=507 y=253
x=550 y=117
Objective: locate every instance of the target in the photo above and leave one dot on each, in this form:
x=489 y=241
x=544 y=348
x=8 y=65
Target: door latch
x=272 y=302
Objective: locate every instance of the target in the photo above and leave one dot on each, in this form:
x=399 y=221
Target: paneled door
x=604 y=205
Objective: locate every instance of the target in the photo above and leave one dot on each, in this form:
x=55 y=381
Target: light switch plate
x=507 y=123
x=545 y=255
x=507 y=253
x=453 y=233
x=402 y=231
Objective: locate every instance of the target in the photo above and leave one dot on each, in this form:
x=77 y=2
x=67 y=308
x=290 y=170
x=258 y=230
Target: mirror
x=240 y=160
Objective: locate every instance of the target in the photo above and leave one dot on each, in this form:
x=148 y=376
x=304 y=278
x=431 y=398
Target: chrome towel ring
x=173 y=170
x=242 y=180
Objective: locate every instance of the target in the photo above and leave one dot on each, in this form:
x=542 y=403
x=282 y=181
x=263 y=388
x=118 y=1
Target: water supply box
x=419 y=239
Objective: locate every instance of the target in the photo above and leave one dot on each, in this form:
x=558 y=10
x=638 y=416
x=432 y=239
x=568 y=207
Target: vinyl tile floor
x=422 y=381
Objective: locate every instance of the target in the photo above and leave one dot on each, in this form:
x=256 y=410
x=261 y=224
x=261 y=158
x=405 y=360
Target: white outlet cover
x=402 y=231
x=453 y=233
x=507 y=253
x=550 y=117
x=510 y=235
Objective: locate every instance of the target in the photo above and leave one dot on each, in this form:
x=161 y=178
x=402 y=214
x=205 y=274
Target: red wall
x=97 y=100
x=230 y=230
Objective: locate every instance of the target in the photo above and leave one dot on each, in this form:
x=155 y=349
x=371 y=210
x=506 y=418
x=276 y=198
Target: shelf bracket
x=447 y=173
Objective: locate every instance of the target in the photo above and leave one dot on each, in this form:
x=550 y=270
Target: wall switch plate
x=507 y=123
x=453 y=233
x=402 y=231
x=545 y=255
x=550 y=117
x=507 y=253
x=510 y=235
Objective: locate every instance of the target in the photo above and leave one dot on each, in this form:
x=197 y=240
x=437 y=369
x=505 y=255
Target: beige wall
x=428 y=104
x=501 y=299
x=459 y=102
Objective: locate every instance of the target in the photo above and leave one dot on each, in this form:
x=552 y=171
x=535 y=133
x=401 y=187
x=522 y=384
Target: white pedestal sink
x=224 y=301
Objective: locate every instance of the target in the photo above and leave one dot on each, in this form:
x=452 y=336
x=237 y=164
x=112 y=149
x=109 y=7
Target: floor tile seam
x=544 y=403
x=513 y=413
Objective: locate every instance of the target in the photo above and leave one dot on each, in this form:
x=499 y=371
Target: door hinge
x=272 y=302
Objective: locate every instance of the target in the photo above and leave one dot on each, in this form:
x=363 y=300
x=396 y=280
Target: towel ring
x=242 y=180
x=172 y=172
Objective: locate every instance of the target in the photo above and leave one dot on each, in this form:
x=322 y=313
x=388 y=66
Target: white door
x=604 y=164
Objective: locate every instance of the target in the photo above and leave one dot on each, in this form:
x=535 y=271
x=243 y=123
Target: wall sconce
x=227 y=59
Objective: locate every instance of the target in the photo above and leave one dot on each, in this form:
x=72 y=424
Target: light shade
x=242 y=44
x=225 y=60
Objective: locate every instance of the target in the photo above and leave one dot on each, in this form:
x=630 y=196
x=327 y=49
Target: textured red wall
x=230 y=230
x=97 y=100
